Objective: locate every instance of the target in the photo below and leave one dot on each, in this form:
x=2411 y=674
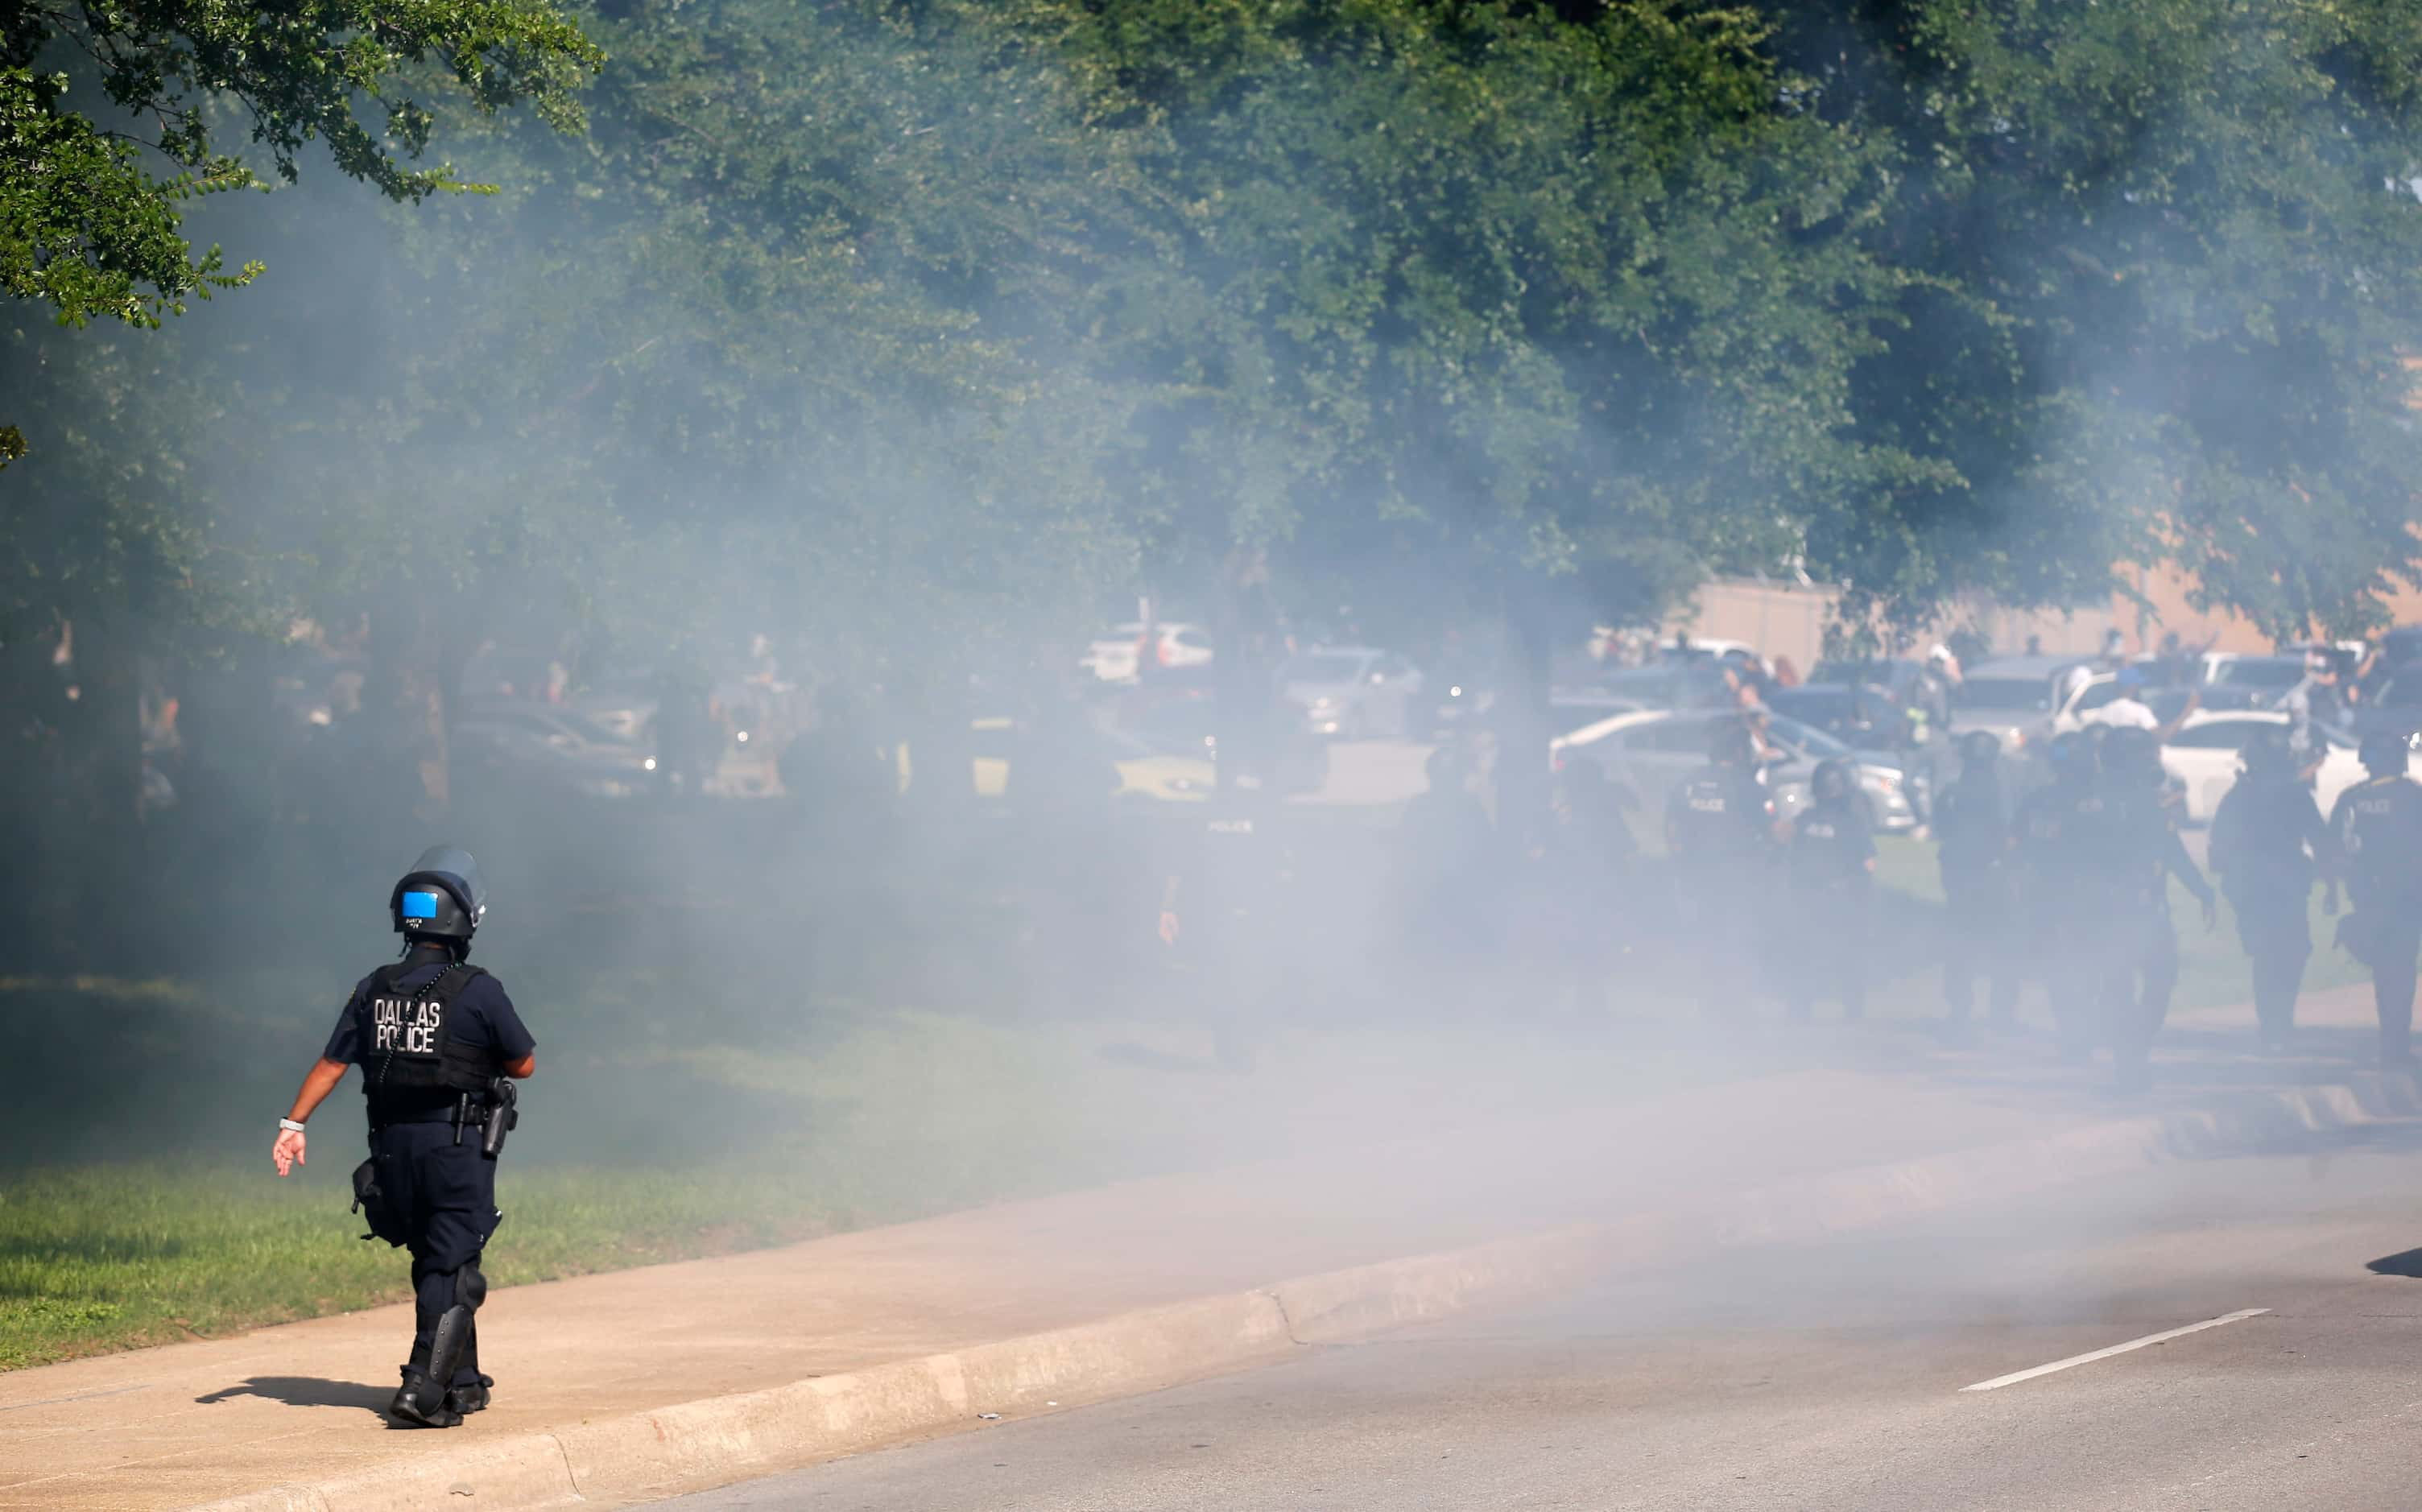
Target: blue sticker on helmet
x=421 y=905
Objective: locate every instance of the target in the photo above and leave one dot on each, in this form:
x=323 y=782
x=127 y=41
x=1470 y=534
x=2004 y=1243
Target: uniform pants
x=2392 y=973
x=1230 y=976
x=445 y=1194
x=1981 y=940
x=1716 y=895
x=2278 y=939
x=2076 y=945
x=1833 y=939
x=2150 y=950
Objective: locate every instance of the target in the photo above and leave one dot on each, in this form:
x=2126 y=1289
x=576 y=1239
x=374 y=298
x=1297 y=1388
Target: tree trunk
x=1523 y=725
x=1250 y=642
x=101 y=831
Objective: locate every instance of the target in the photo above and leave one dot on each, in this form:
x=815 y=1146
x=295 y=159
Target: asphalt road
x=1817 y=1378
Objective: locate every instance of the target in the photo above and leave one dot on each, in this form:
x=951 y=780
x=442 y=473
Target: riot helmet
x=2132 y=755
x=2386 y=753
x=2071 y=755
x=1831 y=781
x=1728 y=744
x=2265 y=751
x=441 y=898
x=1978 y=751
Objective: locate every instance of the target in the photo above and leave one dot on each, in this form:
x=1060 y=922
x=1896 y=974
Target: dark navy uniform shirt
x=2377 y=826
x=2138 y=850
x=1722 y=814
x=1832 y=845
x=1972 y=821
x=483 y=1018
x=2266 y=838
x=2057 y=828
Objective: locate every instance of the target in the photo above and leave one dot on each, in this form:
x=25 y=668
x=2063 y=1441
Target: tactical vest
x=408 y=1043
x=1720 y=817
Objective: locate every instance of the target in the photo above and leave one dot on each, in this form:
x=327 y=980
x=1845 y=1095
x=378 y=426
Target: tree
x=2165 y=280
x=90 y=226
x=1552 y=299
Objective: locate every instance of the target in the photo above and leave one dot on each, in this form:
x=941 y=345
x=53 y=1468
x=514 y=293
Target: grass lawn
x=111 y=1256
x=637 y=1153
x=137 y=1206
x=2211 y=966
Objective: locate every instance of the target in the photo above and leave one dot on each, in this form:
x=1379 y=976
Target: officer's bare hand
x=1168 y=928
x=288 y=1151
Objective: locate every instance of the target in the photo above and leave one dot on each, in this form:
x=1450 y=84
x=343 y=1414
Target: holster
x=370 y=1201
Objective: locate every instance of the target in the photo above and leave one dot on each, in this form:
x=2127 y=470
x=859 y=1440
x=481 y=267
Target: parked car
x=2202 y=760
x=2104 y=688
x=1653 y=752
x=1351 y=692
x=548 y=747
x=1676 y=684
x=2396 y=706
x=1448 y=703
x=1867 y=717
x=1182 y=722
x=1180 y=772
x=1117 y=655
x=2231 y=680
x=1896 y=675
x=2011 y=696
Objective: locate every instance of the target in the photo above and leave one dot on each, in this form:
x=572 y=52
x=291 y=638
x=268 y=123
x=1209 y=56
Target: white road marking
x=2012 y=1379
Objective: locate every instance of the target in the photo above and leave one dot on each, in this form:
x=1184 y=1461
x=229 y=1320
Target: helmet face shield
x=2265 y=751
x=442 y=896
x=2386 y=753
x=1830 y=783
x=2071 y=754
x=2132 y=755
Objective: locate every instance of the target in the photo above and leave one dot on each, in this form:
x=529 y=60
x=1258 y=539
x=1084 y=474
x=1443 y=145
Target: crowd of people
x=2057 y=872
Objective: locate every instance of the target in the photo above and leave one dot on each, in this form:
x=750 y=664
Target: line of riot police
x=2065 y=885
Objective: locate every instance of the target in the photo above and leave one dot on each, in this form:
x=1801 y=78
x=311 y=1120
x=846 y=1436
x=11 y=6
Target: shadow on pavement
x=307 y=1391
x=2408 y=1264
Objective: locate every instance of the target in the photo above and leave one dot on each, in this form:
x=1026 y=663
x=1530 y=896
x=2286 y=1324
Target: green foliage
x=89 y=226
x=2165 y=256
x=1476 y=277
x=891 y=326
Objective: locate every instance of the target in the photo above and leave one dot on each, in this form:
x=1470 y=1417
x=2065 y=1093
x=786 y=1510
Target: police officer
x=2266 y=841
x=1973 y=825
x=432 y=1034
x=2137 y=852
x=1832 y=882
x=2376 y=848
x=1446 y=854
x=1220 y=910
x=1720 y=830
x=2057 y=827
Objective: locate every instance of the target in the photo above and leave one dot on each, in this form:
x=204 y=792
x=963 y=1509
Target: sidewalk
x=912 y=1329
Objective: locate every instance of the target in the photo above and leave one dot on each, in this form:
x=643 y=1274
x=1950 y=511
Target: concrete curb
x=719 y=1441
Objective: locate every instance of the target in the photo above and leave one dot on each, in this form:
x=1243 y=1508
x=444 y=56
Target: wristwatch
x=290 y=1125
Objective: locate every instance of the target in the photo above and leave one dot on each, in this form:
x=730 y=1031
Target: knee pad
x=470 y=1286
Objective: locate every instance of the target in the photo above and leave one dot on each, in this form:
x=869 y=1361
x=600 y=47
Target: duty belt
x=431 y=1116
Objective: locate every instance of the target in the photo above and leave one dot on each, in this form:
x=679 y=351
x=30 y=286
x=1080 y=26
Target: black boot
x=464 y=1400
x=422 y=1402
